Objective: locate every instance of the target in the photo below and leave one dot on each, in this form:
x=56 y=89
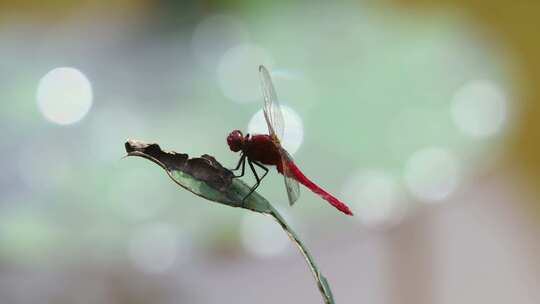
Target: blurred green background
x=421 y=115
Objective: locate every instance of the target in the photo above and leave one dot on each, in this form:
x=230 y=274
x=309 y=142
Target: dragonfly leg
x=257 y=178
x=262 y=167
x=241 y=162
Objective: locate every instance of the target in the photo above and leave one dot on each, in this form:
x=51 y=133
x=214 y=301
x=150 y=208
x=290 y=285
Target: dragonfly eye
x=235 y=140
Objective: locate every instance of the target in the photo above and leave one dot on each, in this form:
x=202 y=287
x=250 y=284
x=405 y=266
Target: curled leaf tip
x=203 y=176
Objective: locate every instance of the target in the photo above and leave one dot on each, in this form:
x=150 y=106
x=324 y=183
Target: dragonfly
x=263 y=150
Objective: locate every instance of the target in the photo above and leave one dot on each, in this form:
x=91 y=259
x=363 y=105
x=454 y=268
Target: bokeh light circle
x=294 y=128
x=64 y=95
x=262 y=237
x=214 y=36
x=479 y=108
x=154 y=247
x=238 y=73
x=432 y=174
x=374 y=196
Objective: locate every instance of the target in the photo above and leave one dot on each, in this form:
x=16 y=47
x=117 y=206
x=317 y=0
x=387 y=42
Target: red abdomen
x=301 y=178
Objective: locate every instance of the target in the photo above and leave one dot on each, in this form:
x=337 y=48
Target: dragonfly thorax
x=235 y=140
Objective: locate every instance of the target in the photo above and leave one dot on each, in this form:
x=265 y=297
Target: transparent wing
x=291 y=184
x=275 y=122
x=272 y=110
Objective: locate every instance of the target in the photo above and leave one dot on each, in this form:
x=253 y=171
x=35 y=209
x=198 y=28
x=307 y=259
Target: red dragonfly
x=266 y=149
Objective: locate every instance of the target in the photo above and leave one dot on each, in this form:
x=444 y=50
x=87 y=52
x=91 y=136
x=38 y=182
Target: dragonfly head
x=235 y=140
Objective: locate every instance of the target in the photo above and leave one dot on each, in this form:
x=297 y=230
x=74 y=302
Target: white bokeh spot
x=432 y=174
x=262 y=237
x=294 y=128
x=155 y=247
x=64 y=95
x=238 y=73
x=479 y=108
x=375 y=198
x=214 y=36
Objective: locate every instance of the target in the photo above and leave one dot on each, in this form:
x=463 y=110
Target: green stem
x=322 y=283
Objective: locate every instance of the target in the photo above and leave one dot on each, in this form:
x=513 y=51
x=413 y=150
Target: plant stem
x=322 y=283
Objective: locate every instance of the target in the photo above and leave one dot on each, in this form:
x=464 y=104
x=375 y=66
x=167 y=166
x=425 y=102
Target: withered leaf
x=203 y=176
